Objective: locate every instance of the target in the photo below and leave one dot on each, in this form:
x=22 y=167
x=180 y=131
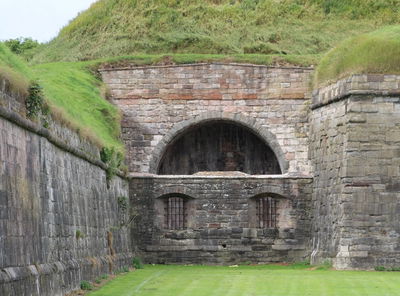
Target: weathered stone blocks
x=160 y=102
x=47 y=196
x=356 y=170
x=220 y=228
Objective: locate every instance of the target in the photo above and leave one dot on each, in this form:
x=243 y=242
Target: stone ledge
x=361 y=84
x=202 y=64
x=217 y=176
x=30 y=126
x=44 y=279
x=10 y=274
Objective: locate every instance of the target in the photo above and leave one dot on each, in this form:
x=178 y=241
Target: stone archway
x=250 y=123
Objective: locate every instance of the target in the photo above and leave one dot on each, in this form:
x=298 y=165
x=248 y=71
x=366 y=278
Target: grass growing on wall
x=286 y=27
x=376 y=52
x=174 y=58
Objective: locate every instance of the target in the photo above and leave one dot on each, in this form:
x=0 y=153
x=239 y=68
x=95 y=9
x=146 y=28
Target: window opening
x=266 y=212
x=175 y=213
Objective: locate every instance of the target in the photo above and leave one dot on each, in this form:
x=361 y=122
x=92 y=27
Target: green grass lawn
x=262 y=280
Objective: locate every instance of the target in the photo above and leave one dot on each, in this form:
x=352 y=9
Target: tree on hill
x=23 y=46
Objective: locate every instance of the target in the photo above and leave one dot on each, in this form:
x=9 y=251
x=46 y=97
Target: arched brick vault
x=251 y=123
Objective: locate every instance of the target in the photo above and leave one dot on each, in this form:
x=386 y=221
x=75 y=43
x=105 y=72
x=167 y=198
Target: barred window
x=175 y=213
x=266 y=212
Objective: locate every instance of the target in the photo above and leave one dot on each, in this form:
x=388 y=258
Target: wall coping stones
x=359 y=84
x=202 y=64
x=46 y=133
x=199 y=177
x=17 y=273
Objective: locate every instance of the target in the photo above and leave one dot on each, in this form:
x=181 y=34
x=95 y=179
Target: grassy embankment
x=272 y=280
x=285 y=29
x=14 y=70
x=73 y=94
x=377 y=52
x=142 y=32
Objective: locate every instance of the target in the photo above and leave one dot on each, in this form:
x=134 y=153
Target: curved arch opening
x=216 y=146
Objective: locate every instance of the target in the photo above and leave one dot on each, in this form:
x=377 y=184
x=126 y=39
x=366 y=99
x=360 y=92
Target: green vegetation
x=137 y=263
x=104 y=277
x=148 y=32
x=79 y=234
x=34 y=101
x=113 y=159
x=13 y=69
x=25 y=47
x=176 y=58
x=293 y=280
x=229 y=27
x=375 y=52
x=85 y=285
x=123 y=203
x=383 y=268
x=74 y=93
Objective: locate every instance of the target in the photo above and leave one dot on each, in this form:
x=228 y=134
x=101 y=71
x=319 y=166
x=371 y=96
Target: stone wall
x=57 y=218
x=327 y=152
x=355 y=145
x=221 y=212
x=161 y=102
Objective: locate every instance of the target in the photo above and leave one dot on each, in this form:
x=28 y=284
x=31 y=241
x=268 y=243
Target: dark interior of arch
x=218 y=146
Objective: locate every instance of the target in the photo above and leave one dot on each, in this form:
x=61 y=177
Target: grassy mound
x=230 y=27
x=73 y=94
x=375 y=52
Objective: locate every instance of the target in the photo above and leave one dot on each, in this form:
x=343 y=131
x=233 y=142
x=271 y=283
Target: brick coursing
x=156 y=101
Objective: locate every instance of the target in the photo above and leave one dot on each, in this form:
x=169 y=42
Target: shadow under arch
x=249 y=123
x=175 y=194
x=273 y=194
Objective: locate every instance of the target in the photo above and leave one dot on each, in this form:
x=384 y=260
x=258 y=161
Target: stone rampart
x=355 y=149
x=58 y=221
